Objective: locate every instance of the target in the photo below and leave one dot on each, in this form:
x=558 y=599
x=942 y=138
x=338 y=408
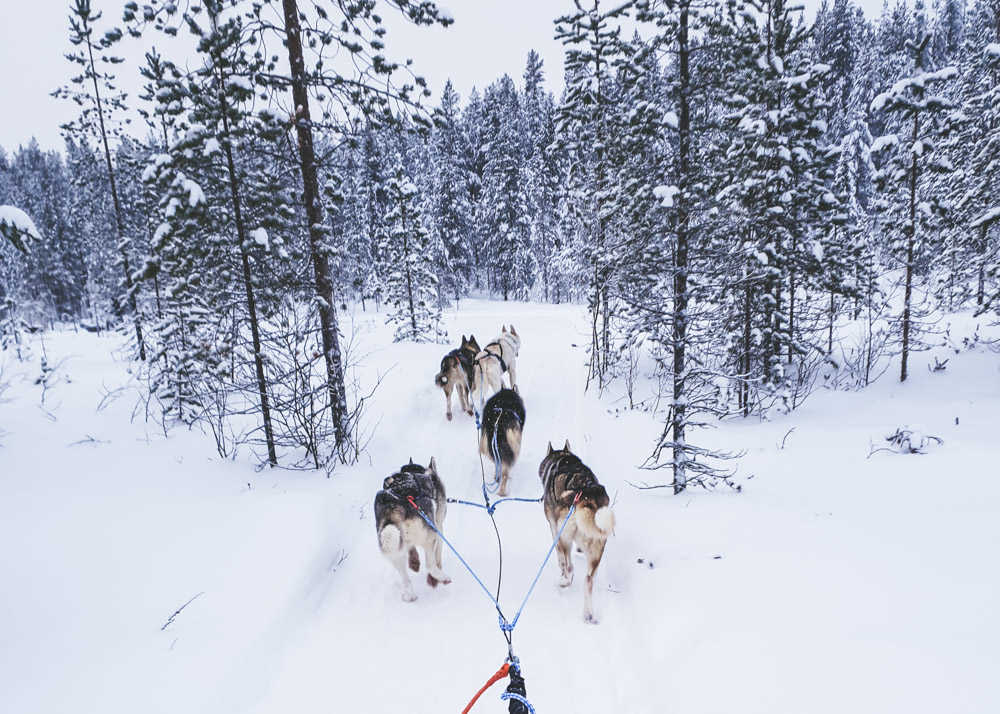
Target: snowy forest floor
x=834 y=582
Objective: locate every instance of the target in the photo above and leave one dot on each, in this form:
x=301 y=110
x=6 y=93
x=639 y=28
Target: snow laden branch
x=18 y=228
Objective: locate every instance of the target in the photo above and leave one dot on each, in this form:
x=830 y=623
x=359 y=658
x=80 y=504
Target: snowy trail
x=833 y=582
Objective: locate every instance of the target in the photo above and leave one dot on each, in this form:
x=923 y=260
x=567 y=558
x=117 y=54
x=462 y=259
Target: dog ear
x=432 y=466
x=513 y=331
x=503 y=329
x=566 y=447
x=411 y=462
x=464 y=343
x=550 y=449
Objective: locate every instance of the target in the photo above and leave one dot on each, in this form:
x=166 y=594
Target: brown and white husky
x=457 y=374
x=567 y=480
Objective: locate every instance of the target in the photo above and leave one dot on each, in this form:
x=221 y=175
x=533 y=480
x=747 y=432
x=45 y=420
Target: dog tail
x=441 y=378
x=604 y=519
x=502 y=438
x=599 y=524
x=390 y=539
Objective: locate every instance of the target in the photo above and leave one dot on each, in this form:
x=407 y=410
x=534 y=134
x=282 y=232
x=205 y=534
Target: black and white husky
x=401 y=529
x=500 y=436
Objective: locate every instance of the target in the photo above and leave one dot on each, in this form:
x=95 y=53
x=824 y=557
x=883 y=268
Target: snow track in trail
x=833 y=582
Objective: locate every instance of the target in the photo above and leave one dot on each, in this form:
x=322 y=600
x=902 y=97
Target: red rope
x=500 y=674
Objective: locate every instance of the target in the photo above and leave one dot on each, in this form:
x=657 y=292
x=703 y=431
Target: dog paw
x=432 y=581
x=409 y=596
x=566 y=580
x=445 y=580
x=589 y=618
x=448 y=415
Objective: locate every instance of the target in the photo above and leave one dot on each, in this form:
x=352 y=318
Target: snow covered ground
x=834 y=582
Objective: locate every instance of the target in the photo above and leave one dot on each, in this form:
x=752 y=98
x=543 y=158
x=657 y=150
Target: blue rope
x=460 y=558
x=505 y=625
x=513 y=623
x=496 y=460
x=514 y=695
x=493 y=506
x=466 y=503
x=496 y=503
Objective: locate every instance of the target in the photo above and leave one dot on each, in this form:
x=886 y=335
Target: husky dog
x=401 y=529
x=499 y=357
x=457 y=373
x=565 y=480
x=500 y=436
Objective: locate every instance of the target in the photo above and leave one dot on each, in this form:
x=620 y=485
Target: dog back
x=503 y=421
x=411 y=481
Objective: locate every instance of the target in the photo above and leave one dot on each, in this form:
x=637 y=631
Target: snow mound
x=666 y=195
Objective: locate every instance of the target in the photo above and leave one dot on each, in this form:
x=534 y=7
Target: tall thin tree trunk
x=829 y=337
x=791 y=309
x=241 y=237
x=680 y=316
x=119 y=223
x=322 y=273
x=747 y=334
x=981 y=278
x=910 y=239
x=406 y=270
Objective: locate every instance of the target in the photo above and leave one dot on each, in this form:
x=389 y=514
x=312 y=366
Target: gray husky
x=567 y=480
x=401 y=529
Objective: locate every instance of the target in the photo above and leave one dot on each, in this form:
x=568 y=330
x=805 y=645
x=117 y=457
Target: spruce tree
x=449 y=209
x=94 y=121
x=412 y=285
x=912 y=155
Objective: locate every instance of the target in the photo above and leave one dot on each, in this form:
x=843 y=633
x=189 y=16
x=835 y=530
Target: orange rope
x=500 y=674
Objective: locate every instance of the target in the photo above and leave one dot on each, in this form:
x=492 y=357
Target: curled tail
x=390 y=539
x=604 y=519
x=441 y=378
x=596 y=524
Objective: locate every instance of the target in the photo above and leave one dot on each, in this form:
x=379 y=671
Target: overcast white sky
x=489 y=38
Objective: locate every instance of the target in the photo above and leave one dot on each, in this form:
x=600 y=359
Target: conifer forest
x=724 y=238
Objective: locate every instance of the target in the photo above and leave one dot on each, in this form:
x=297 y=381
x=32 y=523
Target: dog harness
x=468 y=363
x=499 y=357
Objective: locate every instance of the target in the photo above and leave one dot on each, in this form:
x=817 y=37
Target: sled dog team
x=477 y=375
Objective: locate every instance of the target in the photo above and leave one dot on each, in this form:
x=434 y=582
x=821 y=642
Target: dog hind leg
x=594 y=553
x=400 y=562
x=504 y=476
x=447 y=398
x=563 y=548
x=433 y=553
x=463 y=395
